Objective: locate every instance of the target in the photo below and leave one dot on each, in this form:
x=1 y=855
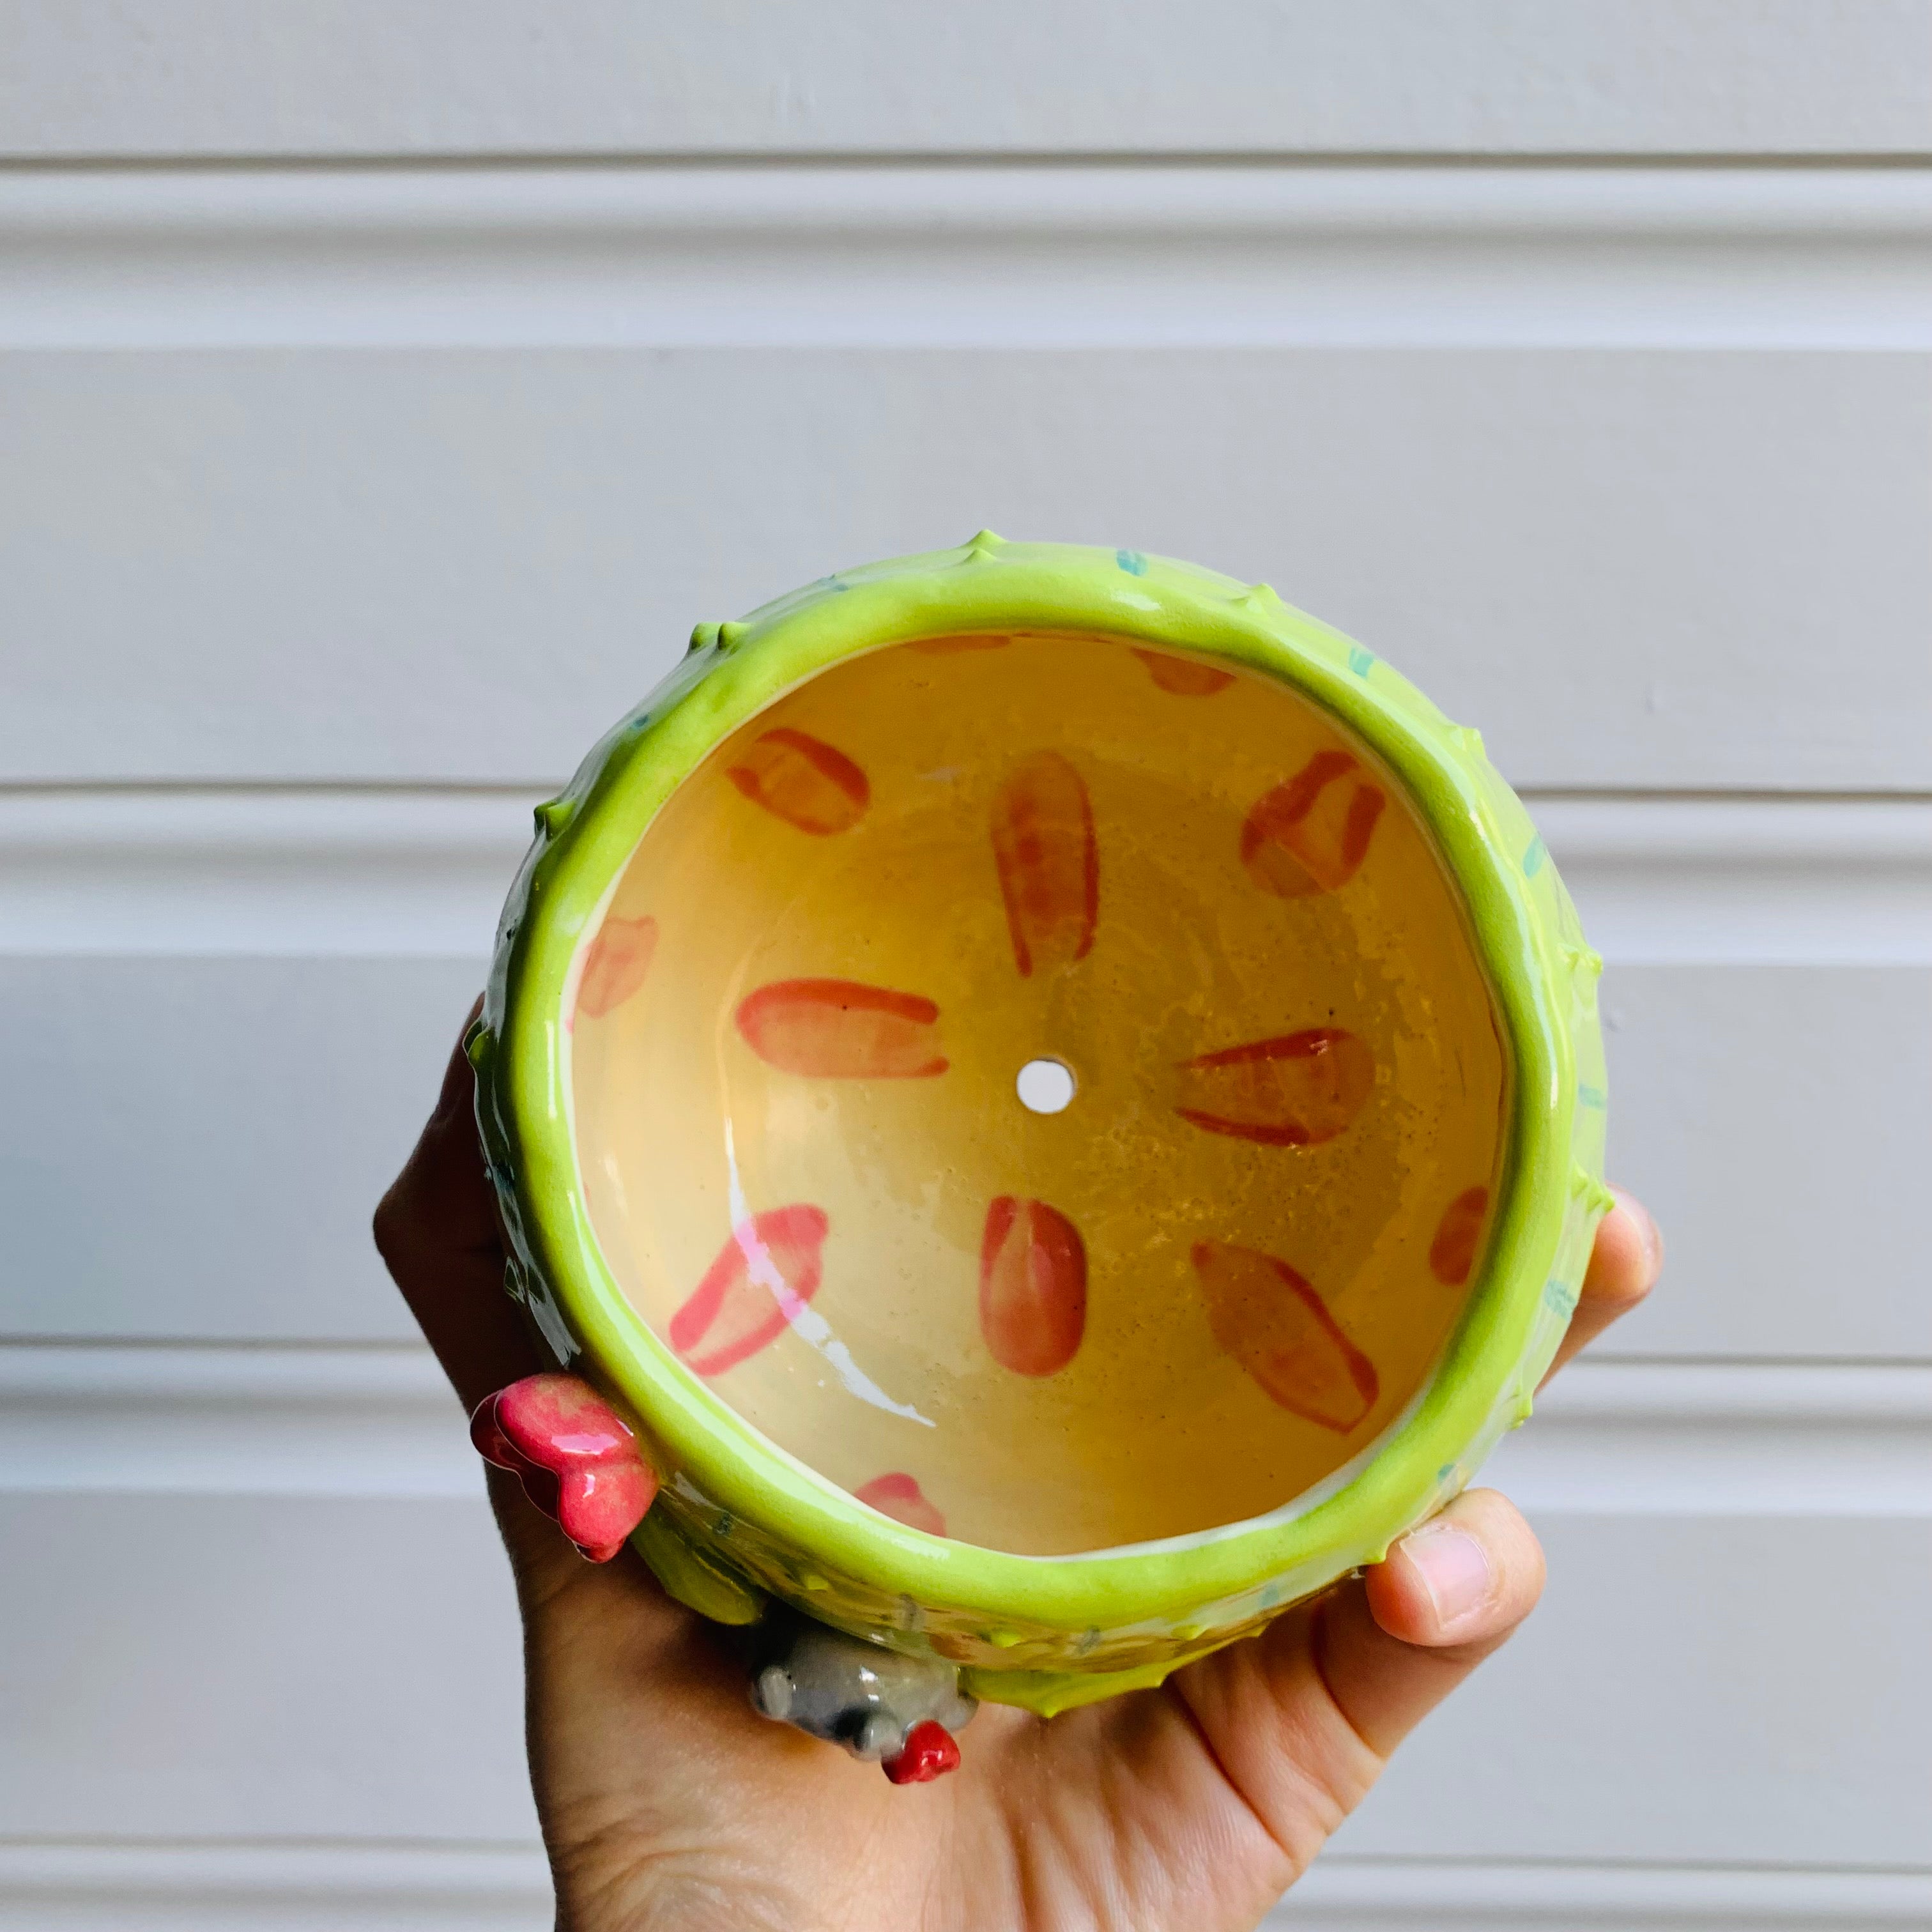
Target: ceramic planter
x=1064 y=1390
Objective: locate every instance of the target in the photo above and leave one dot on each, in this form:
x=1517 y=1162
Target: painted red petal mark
x=615 y=966
x=946 y=647
x=1276 y=1327
x=768 y=1270
x=930 y=1751
x=1033 y=1286
x=802 y=780
x=898 y=1495
x=1182 y=676
x=1452 y=1252
x=1311 y=834
x=1049 y=864
x=1298 y=1091
x=840 y=1030
x=576 y=1457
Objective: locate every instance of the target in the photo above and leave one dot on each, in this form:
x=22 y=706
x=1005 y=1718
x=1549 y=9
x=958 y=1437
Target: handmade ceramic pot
x=1061 y=1098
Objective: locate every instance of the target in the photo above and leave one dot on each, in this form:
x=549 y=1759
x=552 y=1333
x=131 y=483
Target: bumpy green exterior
x=737 y=1518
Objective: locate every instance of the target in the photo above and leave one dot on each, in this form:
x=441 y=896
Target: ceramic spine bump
x=1594 y=1193
x=984 y=546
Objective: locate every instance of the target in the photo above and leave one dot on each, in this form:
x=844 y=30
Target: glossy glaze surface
x=1209 y=1281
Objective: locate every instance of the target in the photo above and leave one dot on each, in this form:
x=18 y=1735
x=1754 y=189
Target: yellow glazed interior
x=1223 y=1268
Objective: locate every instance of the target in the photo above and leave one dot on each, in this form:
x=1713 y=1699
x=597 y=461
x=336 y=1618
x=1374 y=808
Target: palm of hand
x=667 y=1801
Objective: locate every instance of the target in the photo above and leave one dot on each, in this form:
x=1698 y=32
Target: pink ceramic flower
x=576 y=1458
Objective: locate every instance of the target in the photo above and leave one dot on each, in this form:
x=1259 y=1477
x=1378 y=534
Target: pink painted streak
x=1312 y=833
x=763 y=1275
x=1033 y=1286
x=1274 y=1324
x=1296 y=1091
x=899 y=1496
x=1452 y=1252
x=841 y=1030
x=1048 y=862
x=616 y=964
x=1183 y=677
x=811 y=785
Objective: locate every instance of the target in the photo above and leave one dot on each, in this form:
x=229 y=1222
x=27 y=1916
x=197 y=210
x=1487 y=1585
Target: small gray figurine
x=900 y=1712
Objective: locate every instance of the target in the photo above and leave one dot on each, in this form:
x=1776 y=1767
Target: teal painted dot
x=1271 y=1594
x=1558 y=1298
x=1532 y=859
x=1592 y=1096
x=1361 y=662
x=832 y=583
x=1132 y=562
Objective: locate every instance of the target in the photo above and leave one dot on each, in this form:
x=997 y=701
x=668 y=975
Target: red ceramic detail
x=614 y=968
x=946 y=647
x=1049 y=863
x=1033 y=1286
x=898 y=1495
x=1452 y=1252
x=840 y=1030
x=1269 y=1319
x=763 y=1275
x=1182 y=676
x=1311 y=834
x=930 y=1751
x=576 y=1457
x=802 y=780
x=1298 y=1090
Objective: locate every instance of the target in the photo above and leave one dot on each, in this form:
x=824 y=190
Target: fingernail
x=1455 y=1571
x=1653 y=1235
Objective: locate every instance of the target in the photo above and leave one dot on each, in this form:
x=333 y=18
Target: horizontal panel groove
x=1609 y=1437
x=184 y=1420
x=1015 y=256
x=82 y=1885
x=421 y=873
x=1207 y=158
x=401 y=1884
x=1425 y=1892
x=283 y=872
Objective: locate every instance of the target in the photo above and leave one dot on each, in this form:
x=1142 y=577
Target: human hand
x=666 y=1801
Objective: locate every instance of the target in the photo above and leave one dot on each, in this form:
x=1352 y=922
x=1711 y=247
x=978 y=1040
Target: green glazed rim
x=733 y=671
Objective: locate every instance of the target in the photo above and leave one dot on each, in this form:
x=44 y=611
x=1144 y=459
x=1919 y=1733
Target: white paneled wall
x=429 y=77
x=384 y=392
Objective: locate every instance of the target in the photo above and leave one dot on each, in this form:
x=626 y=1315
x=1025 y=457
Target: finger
x=1301 y=1720
x=437 y=1231
x=1392 y=1647
x=1623 y=1267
